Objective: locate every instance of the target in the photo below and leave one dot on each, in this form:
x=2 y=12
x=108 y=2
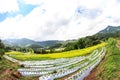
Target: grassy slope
x=109 y=68
x=8 y=71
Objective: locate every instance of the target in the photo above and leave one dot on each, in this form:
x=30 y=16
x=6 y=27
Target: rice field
x=67 y=54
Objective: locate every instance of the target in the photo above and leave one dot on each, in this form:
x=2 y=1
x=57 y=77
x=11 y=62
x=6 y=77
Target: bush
x=2 y=52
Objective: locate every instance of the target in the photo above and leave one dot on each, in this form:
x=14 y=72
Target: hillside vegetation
x=1 y=49
x=109 y=68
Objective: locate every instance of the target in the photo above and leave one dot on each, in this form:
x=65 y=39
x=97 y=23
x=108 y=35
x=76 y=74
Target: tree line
x=91 y=40
x=78 y=44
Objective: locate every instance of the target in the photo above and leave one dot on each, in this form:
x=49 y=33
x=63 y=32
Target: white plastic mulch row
x=51 y=69
x=63 y=73
x=49 y=62
x=74 y=61
x=79 y=75
x=11 y=59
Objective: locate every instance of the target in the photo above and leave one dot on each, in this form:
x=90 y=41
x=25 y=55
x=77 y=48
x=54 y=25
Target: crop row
x=48 y=70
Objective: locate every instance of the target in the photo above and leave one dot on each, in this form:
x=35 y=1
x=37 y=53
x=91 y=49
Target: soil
x=118 y=45
x=9 y=74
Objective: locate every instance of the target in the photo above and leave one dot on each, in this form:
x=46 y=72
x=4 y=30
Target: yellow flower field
x=67 y=54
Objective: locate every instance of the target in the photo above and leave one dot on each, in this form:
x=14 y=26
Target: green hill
x=24 y=42
x=109 y=68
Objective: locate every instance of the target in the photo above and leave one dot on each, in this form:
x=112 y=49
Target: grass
x=7 y=65
x=67 y=54
x=16 y=53
x=110 y=69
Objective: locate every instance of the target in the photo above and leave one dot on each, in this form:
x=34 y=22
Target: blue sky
x=56 y=19
x=24 y=9
x=3 y=16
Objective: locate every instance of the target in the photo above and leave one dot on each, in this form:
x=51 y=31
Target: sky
x=56 y=19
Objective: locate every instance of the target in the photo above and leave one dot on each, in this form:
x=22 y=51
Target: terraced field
x=72 y=68
x=67 y=54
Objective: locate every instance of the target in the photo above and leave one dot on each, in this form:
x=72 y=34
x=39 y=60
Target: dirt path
x=118 y=44
x=95 y=71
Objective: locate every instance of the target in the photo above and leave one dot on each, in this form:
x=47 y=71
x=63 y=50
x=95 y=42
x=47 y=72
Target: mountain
x=33 y=46
x=49 y=43
x=111 y=29
x=18 y=42
x=24 y=42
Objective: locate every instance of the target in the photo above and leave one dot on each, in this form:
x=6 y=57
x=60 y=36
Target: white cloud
x=58 y=19
x=8 y=6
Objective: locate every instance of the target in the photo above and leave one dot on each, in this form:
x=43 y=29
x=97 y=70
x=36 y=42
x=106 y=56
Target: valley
x=90 y=58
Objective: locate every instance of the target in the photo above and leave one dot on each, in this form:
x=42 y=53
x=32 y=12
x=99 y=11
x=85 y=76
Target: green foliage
x=111 y=67
x=57 y=45
x=1 y=48
x=83 y=43
x=71 y=46
x=33 y=46
x=1 y=45
x=88 y=41
x=1 y=52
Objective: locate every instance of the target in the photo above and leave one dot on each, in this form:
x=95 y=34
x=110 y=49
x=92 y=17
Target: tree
x=1 y=49
x=1 y=45
x=8 y=48
x=81 y=43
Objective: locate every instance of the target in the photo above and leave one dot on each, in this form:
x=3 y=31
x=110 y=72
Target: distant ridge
x=110 y=29
x=24 y=42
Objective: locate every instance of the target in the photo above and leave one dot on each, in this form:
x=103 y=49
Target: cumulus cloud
x=59 y=19
x=8 y=6
x=88 y=13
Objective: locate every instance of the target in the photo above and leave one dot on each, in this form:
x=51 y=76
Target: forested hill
x=24 y=42
x=103 y=35
x=111 y=29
